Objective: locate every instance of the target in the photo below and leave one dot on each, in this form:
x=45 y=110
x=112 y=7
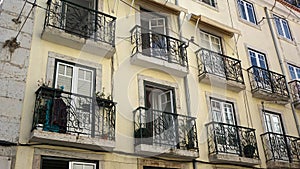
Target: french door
x=226 y=131
x=261 y=74
x=80 y=82
x=161 y=116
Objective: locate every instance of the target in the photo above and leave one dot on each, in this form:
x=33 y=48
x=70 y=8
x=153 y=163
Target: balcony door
x=161 y=116
x=276 y=138
x=79 y=81
x=211 y=58
x=261 y=74
x=226 y=132
x=154 y=41
x=79 y=17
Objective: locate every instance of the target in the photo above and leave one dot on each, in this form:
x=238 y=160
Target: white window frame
x=272 y=123
x=295 y=69
x=282 y=27
x=211 y=36
x=212 y=3
x=259 y=56
x=223 y=104
x=245 y=5
x=75 y=77
x=72 y=163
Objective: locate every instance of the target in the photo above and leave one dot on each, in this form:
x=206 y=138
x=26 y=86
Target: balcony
x=232 y=144
x=268 y=85
x=220 y=70
x=281 y=151
x=295 y=92
x=164 y=134
x=69 y=119
x=78 y=27
x=158 y=51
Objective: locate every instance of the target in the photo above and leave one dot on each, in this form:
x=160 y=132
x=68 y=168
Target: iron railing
x=295 y=90
x=158 y=45
x=219 y=65
x=64 y=112
x=231 y=139
x=161 y=128
x=280 y=147
x=266 y=80
x=80 y=21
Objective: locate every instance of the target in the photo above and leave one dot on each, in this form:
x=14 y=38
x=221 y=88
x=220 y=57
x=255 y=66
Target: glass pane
x=69 y=71
x=81 y=74
x=88 y=76
x=84 y=88
x=278 y=26
x=286 y=29
x=292 y=72
x=251 y=13
x=298 y=73
x=61 y=69
x=262 y=61
x=77 y=166
x=242 y=10
x=64 y=81
x=268 y=122
x=253 y=58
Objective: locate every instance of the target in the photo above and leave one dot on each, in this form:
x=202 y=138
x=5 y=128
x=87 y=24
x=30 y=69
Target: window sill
x=207 y=5
x=249 y=23
x=290 y=41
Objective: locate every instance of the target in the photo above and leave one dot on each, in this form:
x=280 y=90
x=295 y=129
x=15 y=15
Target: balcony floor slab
x=71 y=140
x=269 y=96
x=153 y=150
x=60 y=37
x=156 y=63
x=221 y=82
x=233 y=159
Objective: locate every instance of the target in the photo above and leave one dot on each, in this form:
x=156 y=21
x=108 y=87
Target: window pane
x=298 y=73
x=251 y=13
x=278 y=26
x=286 y=29
x=292 y=72
x=242 y=10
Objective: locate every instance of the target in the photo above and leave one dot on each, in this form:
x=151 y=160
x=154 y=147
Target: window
x=75 y=78
x=246 y=11
x=210 y=2
x=282 y=27
x=210 y=42
x=273 y=122
x=294 y=72
x=160 y=101
x=257 y=59
x=222 y=111
x=154 y=27
x=64 y=163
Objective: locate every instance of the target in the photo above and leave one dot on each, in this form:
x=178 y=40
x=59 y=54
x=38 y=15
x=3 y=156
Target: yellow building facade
x=162 y=84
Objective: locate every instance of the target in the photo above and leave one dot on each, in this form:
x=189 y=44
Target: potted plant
x=143 y=136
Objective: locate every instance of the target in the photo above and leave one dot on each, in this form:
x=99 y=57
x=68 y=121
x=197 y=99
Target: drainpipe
x=281 y=65
x=186 y=84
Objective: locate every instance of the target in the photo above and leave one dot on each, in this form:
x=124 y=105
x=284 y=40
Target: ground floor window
x=66 y=163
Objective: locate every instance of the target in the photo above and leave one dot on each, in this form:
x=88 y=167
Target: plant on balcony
x=249 y=144
x=143 y=136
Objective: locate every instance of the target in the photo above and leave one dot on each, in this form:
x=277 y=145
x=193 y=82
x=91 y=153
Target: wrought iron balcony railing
x=154 y=127
x=80 y=21
x=219 y=65
x=279 y=147
x=63 y=112
x=231 y=139
x=157 y=45
x=266 y=80
x=295 y=90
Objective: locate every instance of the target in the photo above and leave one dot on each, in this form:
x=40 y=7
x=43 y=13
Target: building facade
x=151 y=84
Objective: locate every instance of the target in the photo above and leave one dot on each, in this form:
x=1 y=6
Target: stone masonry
x=13 y=72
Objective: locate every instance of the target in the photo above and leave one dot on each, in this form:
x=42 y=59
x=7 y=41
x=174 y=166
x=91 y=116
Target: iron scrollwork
x=219 y=65
x=81 y=21
x=158 y=45
x=231 y=139
x=64 y=112
x=161 y=128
